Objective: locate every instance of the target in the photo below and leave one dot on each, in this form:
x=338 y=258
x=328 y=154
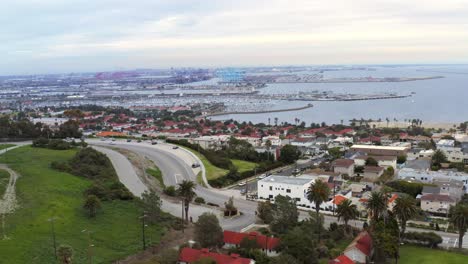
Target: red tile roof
x=191 y=255
x=393 y=198
x=341 y=260
x=339 y=199
x=364 y=243
x=341 y=132
x=110 y=134
x=263 y=241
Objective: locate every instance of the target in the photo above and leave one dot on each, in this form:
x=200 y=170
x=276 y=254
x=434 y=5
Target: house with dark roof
x=269 y=245
x=191 y=255
x=360 y=250
x=343 y=166
x=372 y=172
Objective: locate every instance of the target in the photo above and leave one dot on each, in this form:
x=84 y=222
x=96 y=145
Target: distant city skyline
x=53 y=36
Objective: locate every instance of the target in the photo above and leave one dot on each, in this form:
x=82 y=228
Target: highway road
x=175 y=165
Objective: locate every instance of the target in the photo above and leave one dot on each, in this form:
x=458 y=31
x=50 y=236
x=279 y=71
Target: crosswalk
x=452 y=242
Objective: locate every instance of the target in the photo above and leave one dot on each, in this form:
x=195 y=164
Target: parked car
x=154 y=142
x=175 y=147
x=129 y=140
x=138 y=141
x=241 y=184
x=195 y=165
x=262 y=176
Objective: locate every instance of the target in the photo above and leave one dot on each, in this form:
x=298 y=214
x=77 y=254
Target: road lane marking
x=175 y=176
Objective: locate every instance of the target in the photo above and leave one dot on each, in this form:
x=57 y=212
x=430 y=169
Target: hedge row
x=429 y=239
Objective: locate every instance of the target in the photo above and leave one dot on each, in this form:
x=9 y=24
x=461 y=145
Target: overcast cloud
x=39 y=36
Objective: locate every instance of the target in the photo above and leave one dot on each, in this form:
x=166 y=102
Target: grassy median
x=44 y=193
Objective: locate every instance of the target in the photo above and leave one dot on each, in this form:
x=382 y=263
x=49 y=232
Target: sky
x=55 y=36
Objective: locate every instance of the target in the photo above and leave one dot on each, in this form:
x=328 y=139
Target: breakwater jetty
x=261 y=112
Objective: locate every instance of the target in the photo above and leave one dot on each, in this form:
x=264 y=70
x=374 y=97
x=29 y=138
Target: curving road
x=175 y=165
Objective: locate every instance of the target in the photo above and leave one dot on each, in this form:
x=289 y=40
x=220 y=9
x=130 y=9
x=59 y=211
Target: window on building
x=271 y=188
x=288 y=190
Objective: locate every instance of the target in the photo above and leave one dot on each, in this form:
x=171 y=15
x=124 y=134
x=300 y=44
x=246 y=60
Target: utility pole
x=52 y=222
x=143 y=225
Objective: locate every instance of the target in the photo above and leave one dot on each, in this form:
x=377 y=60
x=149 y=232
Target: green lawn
x=4 y=179
x=243 y=165
x=44 y=193
x=157 y=174
x=4 y=146
x=212 y=172
x=420 y=255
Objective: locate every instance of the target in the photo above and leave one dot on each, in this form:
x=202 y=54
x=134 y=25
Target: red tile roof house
x=341 y=260
x=344 y=166
x=268 y=245
x=190 y=255
x=360 y=250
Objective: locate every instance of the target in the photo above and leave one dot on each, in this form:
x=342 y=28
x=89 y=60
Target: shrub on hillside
x=170 y=191
x=199 y=200
x=429 y=239
x=91 y=164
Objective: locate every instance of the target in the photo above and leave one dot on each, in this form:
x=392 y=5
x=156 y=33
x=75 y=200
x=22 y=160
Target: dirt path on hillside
x=8 y=202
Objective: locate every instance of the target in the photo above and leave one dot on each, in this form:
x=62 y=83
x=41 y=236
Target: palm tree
x=347 y=211
x=318 y=193
x=92 y=203
x=65 y=254
x=405 y=208
x=377 y=205
x=186 y=191
x=459 y=218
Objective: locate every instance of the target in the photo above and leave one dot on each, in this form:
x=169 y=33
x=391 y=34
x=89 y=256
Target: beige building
x=380 y=150
x=343 y=166
x=436 y=203
x=372 y=172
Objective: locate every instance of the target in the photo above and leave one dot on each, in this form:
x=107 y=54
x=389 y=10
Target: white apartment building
x=294 y=187
x=455 y=154
x=275 y=140
x=445 y=143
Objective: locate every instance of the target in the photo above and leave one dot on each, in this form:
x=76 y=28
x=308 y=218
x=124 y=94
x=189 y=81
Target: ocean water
x=435 y=100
